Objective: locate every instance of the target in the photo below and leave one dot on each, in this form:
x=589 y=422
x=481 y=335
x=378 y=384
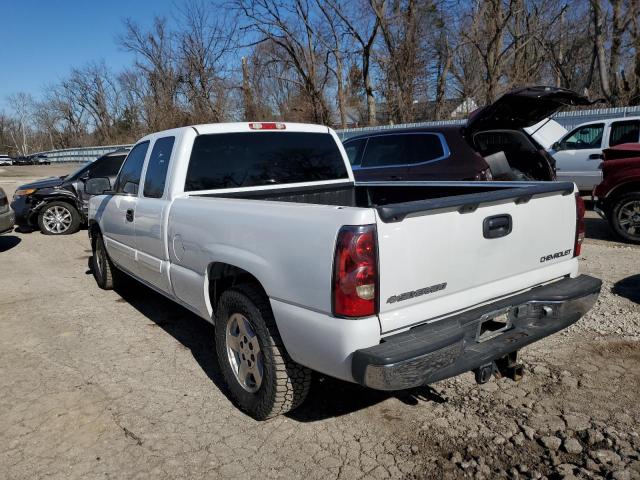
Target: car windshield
x=76 y=173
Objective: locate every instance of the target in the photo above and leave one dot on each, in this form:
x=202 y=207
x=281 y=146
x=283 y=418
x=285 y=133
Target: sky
x=42 y=40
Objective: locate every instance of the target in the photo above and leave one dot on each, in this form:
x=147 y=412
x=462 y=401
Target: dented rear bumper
x=445 y=348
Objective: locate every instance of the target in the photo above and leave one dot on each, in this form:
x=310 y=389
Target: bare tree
x=206 y=44
x=363 y=27
x=290 y=27
x=155 y=50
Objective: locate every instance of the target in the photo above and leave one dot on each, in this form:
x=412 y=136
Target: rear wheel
x=261 y=377
x=58 y=218
x=104 y=271
x=624 y=216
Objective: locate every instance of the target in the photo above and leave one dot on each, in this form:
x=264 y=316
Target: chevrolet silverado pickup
x=261 y=229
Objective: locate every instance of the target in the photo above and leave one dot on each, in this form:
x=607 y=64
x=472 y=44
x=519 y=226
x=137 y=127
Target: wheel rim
x=629 y=218
x=243 y=350
x=57 y=219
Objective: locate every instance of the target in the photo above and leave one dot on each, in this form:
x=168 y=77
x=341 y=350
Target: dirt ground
x=124 y=384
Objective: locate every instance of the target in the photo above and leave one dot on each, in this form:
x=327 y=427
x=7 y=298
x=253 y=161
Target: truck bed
x=395 y=200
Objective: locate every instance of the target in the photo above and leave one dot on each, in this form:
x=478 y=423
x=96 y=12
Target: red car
x=617 y=198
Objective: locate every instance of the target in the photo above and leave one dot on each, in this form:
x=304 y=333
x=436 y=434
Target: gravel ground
x=124 y=384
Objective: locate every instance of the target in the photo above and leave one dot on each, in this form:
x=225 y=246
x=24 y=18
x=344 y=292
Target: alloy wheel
x=243 y=350
x=629 y=218
x=57 y=219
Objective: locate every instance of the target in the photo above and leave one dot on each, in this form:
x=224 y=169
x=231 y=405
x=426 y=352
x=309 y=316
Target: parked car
x=492 y=145
x=40 y=159
x=260 y=229
x=5 y=160
x=22 y=160
x=617 y=197
x=58 y=205
x=6 y=215
x=578 y=154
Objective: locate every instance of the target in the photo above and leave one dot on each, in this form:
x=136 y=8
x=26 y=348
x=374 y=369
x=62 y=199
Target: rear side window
x=354 y=151
x=246 y=159
x=129 y=177
x=156 y=175
x=424 y=147
x=624 y=132
x=385 y=151
x=107 y=167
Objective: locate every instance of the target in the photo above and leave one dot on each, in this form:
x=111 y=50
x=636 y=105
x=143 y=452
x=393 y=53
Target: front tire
x=58 y=218
x=624 y=217
x=262 y=379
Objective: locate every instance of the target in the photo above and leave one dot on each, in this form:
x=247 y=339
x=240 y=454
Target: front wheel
x=261 y=377
x=58 y=218
x=624 y=216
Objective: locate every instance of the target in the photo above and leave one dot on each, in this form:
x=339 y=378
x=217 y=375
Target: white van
x=578 y=154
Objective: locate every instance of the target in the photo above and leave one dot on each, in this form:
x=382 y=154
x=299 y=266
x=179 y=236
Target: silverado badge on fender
x=417 y=293
x=553 y=256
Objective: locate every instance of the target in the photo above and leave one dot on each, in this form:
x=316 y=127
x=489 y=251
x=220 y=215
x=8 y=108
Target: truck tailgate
x=451 y=257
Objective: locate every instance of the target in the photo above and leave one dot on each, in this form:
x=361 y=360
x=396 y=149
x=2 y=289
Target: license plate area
x=493 y=324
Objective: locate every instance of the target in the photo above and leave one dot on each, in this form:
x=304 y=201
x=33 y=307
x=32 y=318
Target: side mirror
x=97 y=186
x=556 y=146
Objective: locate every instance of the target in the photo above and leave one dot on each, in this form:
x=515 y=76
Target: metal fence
x=80 y=155
x=568 y=120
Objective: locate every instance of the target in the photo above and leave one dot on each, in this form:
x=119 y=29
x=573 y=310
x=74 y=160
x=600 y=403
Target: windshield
x=78 y=171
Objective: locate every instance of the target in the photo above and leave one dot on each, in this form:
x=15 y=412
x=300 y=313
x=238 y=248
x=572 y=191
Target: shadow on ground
x=628 y=288
x=598 y=229
x=328 y=397
x=7 y=242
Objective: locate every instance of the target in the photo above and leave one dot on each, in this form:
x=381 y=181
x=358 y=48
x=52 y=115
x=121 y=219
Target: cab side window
x=156 y=175
x=585 y=137
x=129 y=177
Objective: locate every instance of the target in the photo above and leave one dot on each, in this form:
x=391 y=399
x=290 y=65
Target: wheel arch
x=621 y=189
x=222 y=276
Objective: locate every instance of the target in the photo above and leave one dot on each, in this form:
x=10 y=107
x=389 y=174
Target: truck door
x=119 y=211
x=579 y=155
x=151 y=210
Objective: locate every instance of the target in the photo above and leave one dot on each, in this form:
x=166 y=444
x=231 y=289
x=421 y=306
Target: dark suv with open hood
x=492 y=145
x=58 y=205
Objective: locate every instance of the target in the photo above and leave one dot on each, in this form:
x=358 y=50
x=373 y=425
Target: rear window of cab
x=247 y=159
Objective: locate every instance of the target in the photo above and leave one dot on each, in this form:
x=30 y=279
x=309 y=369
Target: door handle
x=129 y=215
x=596 y=156
x=497 y=226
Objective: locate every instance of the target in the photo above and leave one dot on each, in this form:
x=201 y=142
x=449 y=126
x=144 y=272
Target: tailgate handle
x=497 y=226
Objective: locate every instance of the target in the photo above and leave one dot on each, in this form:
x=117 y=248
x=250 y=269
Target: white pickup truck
x=260 y=229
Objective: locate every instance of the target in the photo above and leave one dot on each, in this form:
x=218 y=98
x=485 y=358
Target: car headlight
x=24 y=192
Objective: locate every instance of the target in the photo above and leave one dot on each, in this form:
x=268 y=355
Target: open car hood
x=523 y=107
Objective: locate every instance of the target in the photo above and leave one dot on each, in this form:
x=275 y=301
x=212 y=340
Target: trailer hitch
x=506 y=366
x=509 y=367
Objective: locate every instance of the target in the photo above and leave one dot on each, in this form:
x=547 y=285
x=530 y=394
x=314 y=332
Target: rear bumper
x=6 y=222
x=443 y=349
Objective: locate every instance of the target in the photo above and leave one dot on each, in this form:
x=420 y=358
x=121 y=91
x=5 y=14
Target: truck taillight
x=355 y=272
x=580 y=227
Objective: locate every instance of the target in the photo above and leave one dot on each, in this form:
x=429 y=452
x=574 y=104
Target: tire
x=104 y=271
x=284 y=384
x=624 y=217
x=58 y=218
